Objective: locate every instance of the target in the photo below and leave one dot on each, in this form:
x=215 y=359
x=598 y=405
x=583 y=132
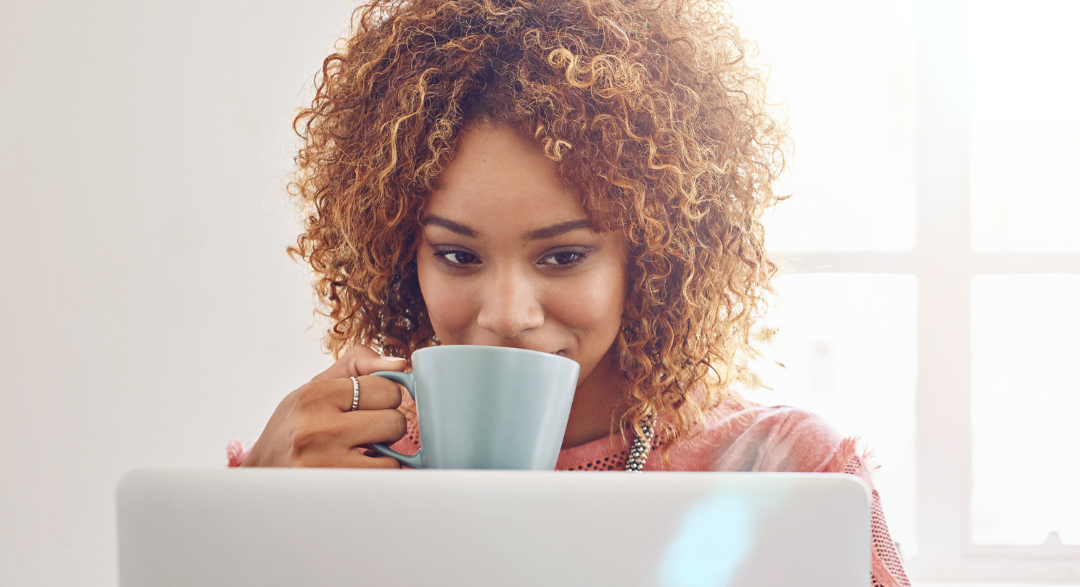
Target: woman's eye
x=562 y=258
x=457 y=257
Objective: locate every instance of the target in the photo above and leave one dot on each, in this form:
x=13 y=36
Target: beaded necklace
x=639 y=449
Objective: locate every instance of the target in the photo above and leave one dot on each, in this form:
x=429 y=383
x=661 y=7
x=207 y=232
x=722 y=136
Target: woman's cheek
x=445 y=302
x=598 y=301
x=593 y=309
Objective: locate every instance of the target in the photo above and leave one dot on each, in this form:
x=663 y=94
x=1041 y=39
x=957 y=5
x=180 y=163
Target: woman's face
x=507 y=256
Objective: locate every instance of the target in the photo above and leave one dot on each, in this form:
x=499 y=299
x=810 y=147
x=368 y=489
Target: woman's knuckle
x=306 y=436
x=308 y=395
x=390 y=393
x=398 y=423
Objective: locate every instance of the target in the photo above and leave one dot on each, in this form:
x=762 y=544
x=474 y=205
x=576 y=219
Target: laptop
x=337 y=527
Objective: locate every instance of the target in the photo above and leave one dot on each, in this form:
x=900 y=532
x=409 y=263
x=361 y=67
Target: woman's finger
x=375 y=393
x=360 y=460
x=360 y=360
x=320 y=439
x=350 y=458
x=369 y=426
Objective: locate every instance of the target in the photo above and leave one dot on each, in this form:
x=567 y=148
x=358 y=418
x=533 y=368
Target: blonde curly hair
x=652 y=111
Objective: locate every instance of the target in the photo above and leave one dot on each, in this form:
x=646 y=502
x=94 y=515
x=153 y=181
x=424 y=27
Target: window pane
x=847 y=343
x=846 y=70
x=1025 y=126
x=1025 y=402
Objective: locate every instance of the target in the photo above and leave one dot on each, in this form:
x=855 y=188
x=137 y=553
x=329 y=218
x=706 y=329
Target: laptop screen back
x=263 y=527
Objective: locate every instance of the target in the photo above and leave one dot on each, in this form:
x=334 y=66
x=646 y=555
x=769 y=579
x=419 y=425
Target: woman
x=579 y=177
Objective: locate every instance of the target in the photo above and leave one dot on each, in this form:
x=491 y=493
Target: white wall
x=148 y=312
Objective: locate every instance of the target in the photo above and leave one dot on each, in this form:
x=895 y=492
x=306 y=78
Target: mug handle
x=408 y=381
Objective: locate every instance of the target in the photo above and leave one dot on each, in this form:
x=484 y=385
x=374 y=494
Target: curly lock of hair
x=651 y=110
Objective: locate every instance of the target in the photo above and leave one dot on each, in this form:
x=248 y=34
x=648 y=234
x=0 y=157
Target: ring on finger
x=355 y=394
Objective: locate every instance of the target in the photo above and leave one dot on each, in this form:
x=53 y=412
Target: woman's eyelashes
x=456 y=257
x=561 y=259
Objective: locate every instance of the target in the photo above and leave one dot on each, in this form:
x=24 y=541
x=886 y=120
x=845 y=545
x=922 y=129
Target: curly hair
x=651 y=110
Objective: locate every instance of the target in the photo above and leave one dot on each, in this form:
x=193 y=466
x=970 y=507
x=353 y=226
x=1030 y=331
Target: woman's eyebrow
x=433 y=220
x=557 y=229
x=532 y=235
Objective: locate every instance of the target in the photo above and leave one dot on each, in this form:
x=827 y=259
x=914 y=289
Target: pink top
x=739 y=436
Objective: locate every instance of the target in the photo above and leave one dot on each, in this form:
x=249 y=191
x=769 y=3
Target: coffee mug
x=482 y=407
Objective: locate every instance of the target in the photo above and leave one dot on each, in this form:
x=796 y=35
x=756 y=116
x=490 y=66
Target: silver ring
x=355 y=394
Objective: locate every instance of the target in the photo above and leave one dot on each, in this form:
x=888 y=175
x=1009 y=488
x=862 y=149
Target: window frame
x=944 y=263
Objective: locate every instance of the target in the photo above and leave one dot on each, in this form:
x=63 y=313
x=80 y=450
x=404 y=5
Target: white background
x=148 y=311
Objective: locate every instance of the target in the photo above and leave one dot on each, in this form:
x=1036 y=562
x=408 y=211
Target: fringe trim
x=236 y=453
x=849 y=452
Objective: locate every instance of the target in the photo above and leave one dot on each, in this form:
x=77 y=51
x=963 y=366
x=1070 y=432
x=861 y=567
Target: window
x=934 y=261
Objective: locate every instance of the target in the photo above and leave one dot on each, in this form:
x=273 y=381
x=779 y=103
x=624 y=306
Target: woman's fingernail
x=385 y=358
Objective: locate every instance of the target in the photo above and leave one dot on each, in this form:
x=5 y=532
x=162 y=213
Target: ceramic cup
x=481 y=407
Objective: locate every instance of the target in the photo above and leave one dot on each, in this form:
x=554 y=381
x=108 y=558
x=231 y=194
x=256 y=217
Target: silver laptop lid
x=269 y=527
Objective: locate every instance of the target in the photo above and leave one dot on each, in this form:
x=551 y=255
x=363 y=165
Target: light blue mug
x=482 y=407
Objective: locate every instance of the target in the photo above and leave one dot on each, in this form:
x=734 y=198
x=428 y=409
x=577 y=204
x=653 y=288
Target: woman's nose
x=510 y=305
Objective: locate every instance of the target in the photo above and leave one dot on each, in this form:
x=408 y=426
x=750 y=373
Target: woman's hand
x=313 y=427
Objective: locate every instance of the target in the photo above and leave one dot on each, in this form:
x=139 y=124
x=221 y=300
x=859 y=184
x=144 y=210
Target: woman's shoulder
x=740 y=435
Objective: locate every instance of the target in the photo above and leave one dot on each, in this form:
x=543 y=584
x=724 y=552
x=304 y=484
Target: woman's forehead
x=499 y=153
x=500 y=176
